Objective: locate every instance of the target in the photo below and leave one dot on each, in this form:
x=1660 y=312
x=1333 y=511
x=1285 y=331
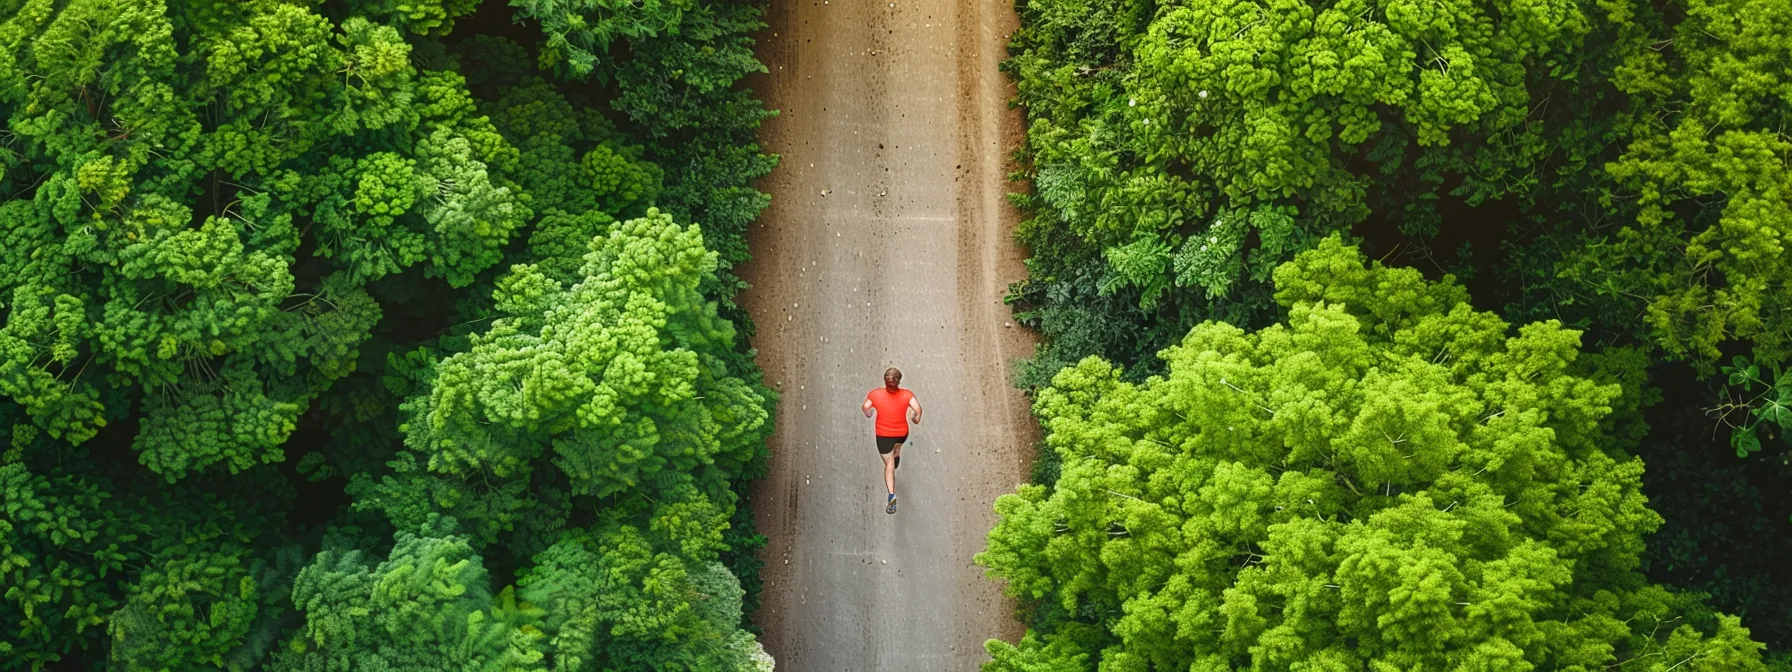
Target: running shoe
x=892 y=507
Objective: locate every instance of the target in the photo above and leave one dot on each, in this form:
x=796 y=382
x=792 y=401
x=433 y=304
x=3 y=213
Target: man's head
x=892 y=379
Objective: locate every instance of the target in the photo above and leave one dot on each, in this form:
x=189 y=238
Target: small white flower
x=1132 y=102
x=1203 y=248
x=1203 y=93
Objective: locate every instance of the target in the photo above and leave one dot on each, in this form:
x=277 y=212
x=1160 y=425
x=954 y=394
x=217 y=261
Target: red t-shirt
x=892 y=411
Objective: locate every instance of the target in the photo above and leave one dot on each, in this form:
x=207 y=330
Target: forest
x=1374 y=335
x=377 y=335
x=1388 y=335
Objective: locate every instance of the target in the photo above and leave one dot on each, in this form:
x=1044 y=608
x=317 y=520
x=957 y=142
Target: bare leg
x=890 y=468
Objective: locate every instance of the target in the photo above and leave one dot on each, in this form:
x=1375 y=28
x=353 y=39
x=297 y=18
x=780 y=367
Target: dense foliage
x=1617 y=165
x=340 y=335
x=1389 y=480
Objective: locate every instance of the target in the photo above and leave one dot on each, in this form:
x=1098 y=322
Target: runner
x=890 y=402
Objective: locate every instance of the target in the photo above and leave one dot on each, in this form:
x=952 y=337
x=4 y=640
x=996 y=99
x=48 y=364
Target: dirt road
x=887 y=244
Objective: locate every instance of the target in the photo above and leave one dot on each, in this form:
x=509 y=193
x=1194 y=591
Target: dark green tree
x=427 y=606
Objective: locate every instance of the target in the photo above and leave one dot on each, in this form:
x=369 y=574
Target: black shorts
x=885 y=444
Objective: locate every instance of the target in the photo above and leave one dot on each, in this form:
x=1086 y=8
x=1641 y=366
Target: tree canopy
x=1198 y=145
x=1616 y=165
x=357 y=334
x=1389 y=480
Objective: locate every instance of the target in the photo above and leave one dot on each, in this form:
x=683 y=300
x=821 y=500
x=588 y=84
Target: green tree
x=1389 y=480
x=173 y=577
x=423 y=17
x=1617 y=166
x=237 y=234
x=623 y=599
x=681 y=87
x=612 y=396
x=427 y=606
x=196 y=608
x=620 y=376
x=1707 y=162
x=588 y=368
x=1201 y=144
x=579 y=32
x=57 y=547
x=115 y=277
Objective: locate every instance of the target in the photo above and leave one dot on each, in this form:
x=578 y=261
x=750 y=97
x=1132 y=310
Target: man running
x=890 y=402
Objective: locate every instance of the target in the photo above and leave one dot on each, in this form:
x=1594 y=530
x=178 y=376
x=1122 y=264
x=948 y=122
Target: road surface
x=887 y=244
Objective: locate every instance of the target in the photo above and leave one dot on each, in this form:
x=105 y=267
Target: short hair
x=892 y=375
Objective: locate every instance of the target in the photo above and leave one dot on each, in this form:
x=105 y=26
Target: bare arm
x=866 y=407
x=914 y=410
